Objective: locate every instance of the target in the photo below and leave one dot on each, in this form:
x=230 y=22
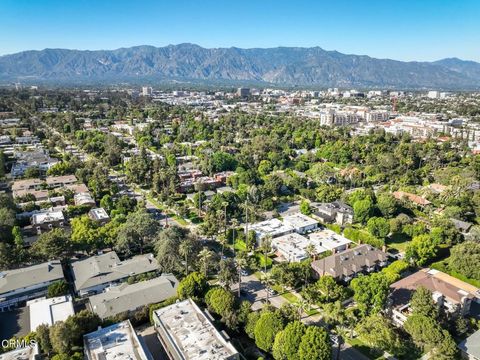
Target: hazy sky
x=401 y=29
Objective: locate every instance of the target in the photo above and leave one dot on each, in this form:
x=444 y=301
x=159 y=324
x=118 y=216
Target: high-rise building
x=243 y=92
x=147 y=91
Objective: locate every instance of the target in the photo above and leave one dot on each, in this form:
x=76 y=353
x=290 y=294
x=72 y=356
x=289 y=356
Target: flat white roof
x=47 y=216
x=115 y=342
x=273 y=227
x=291 y=246
x=299 y=221
x=26 y=353
x=49 y=311
x=193 y=335
x=329 y=239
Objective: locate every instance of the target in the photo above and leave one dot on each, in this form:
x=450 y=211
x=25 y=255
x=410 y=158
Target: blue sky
x=401 y=29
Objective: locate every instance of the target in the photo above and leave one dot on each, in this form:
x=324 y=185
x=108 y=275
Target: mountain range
x=281 y=66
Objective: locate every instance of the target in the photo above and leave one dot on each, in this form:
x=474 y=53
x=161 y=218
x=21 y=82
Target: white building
x=147 y=91
x=29 y=352
x=272 y=227
x=49 y=311
x=186 y=332
x=291 y=247
x=330 y=240
x=118 y=341
x=300 y=223
x=433 y=94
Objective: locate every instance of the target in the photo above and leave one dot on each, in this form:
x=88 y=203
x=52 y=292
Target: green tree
x=421 y=249
x=429 y=336
x=315 y=345
x=266 y=328
x=422 y=303
x=363 y=210
x=85 y=234
x=387 y=204
x=139 y=229
x=376 y=331
x=329 y=289
x=220 y=301
x=61 y=338
x=58 y=288
x=205 y=258
x=378 y=227
x=227 y=274
x=287 y=341
x=51 y=245
x=370 y=292
x=42 y=335
x=251 y=323
x=464 y=259
x=194 y=285
x=185 y=249
x=167 y=247
x=305 y=207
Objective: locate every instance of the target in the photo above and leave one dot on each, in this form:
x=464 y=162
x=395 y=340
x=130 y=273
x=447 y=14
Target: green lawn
x=291 y=298
x=398 y=241
x=365 y=349
x=261 y=260
x=240 y=245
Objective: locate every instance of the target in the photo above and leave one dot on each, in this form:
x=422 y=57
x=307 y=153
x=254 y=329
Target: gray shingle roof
x=471 y=345
x=129 y=297
x=349 y=262
x=28 y=276
x=106 y=268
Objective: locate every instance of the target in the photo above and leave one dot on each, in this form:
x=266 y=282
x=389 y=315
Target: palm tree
x=334 y=313
x=185 y=249
x=225 y=204
x=234 y=228
x=266 y=247
x=241 y=264
x=223 y=241
x=205 y=257
x=268 y=280
x=303 y=306
x=311 y=250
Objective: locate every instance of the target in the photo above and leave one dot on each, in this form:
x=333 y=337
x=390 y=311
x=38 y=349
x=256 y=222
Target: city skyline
x=407 y=31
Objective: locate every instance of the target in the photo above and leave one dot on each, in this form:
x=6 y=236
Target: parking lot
x=14 y=323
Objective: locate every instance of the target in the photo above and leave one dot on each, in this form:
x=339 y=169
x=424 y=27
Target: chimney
x=384 y=248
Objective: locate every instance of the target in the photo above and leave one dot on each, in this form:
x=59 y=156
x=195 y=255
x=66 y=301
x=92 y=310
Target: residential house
x=449 y=293
x=125 y=298
x=345 y=265
x=47 y=220
x=300 y=223
x=99 y=215
x=94 y=274
x=60 y=181
x=27 y=283
x=415 y=199
x=84 y=199
x=334 y=212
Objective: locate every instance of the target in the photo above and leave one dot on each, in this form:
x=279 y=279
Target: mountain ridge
x=281 y=66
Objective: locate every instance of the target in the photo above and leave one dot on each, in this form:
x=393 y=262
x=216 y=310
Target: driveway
x=254 y=291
